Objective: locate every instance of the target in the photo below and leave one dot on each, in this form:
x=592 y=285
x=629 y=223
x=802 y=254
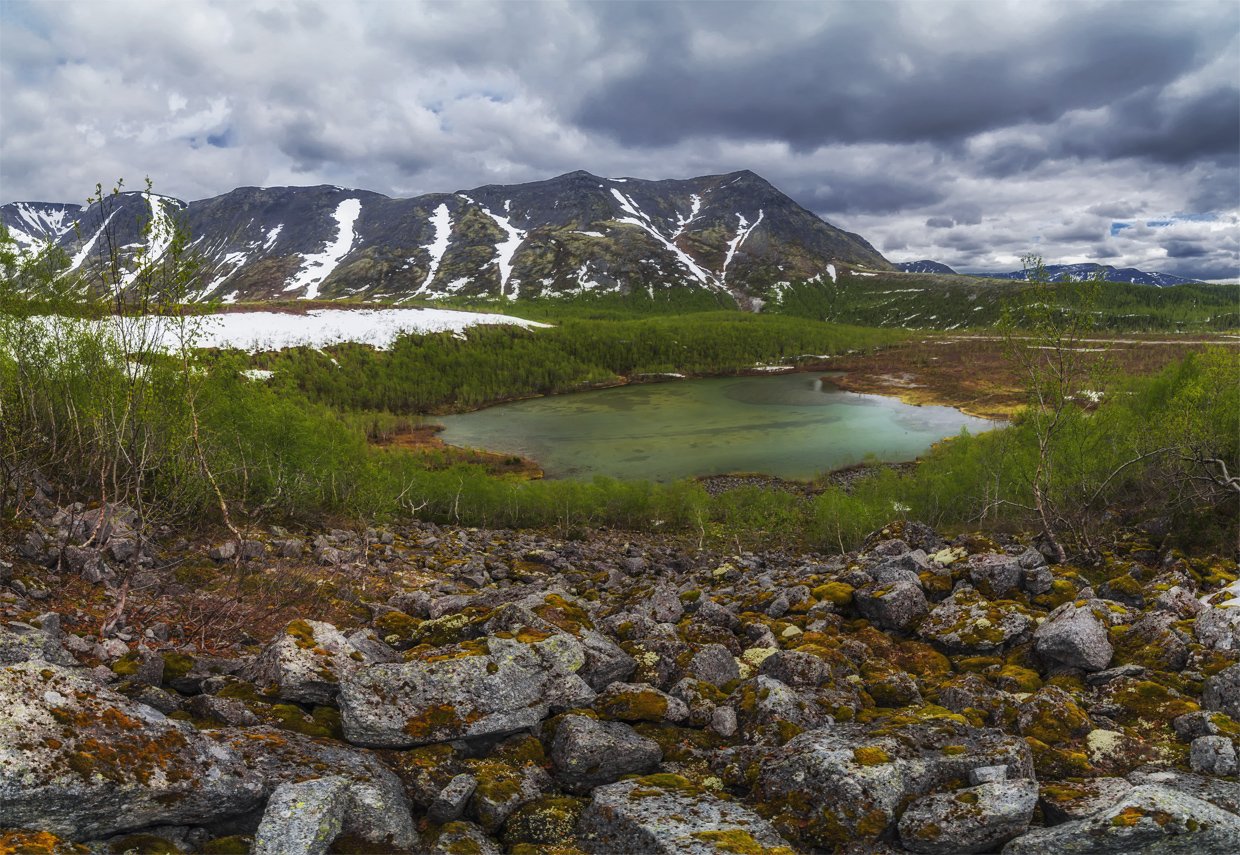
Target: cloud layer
x=968 y=133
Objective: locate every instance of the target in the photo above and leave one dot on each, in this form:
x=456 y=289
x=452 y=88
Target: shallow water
x=788 y=425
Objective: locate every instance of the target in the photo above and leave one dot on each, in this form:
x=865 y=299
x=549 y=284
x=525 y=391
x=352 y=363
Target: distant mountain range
x=1060 y=273
x=734 y=234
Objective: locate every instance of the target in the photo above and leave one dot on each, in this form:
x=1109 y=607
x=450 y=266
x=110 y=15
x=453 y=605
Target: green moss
x=290 y=717
x=302 y=633
x=739 y=842
x=127 y=665
x=870 y=755
x=177 y=665
x=1014 y=678
x=642 y=705
x=234 y=845
x=549 y=820
x=839 y=594
x=397 y=624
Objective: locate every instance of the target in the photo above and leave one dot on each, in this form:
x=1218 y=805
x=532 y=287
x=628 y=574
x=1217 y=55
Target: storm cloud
x=969 y=133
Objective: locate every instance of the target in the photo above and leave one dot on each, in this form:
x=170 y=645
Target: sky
x=969 y=133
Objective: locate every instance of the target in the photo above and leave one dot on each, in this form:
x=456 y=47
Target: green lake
x=789 y=425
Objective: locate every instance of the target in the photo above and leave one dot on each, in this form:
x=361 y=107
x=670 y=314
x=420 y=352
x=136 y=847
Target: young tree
x=1044 y=330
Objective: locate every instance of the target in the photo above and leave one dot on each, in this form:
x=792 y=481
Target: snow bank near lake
x=258 y=331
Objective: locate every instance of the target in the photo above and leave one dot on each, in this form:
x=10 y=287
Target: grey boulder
x=1147 y=818
x=587 y=753
x=896 y=606
x=512 y=686
x=81 y=761
x=668 y=816
x=976 y=819
x=306 y=662
x=1074 y=636
x=1222 y=692
x=303 y=818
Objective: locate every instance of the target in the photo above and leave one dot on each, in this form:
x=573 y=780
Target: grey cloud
x=940 y=223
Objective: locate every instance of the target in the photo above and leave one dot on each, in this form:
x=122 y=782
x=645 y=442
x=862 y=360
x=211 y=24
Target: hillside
x=731 y=234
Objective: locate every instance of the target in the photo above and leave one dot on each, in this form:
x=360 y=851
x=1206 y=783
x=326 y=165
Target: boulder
x=897 y=606
x=714 y=664
x=1147 y=818
x=1213 y=755
x=21 y=642
x=976 y=819
x=639 y=702
x=306 y=662
x=492 y=688
x=1074 y=636
x=461 y=836
x=450 y=803
x=303 y=818
x=661 y=814
x=606 y=662
x=379 y=810
x=79 y=760
x=1065 y=801
x=1219 y=628
x=966 y=622
x=994 y=574
x=842 y=785
x=587 y=753
x=1222 y=692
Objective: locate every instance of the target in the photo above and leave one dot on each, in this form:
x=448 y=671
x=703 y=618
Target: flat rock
x=966 y=622
x=500 y=686
x=976 y=819
x=666 y=815
x=1147 y=818
x=81 y=761
x=1065 y=801
x=1222 y=692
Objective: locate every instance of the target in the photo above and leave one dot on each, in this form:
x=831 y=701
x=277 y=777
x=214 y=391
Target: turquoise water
x=788 y=425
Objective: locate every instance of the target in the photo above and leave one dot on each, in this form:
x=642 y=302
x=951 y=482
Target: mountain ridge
x=734 y=234
x=1059 y=273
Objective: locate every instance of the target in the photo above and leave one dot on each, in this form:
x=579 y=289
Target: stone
x=21 y=642
x=987 y=775
x=378 y=809
x=1222 y=692
x=450 y=804
x=1065 y=801
x=1213 y=755
x=303 y=818
x=714 y=664
x=587 y=753
x=461 y=836
x=994 y=574
x=667 y=815
x=606 y=662
x=82 y=761
x=490 y=689
x=977 y=819
x=305 y=663
x=840 y=785
x=723 y=722
x=1219 y=628
x=897 y=606
x=227 y=710
x=639 y=702
x=497 y=798
x=1074 y=636
x=966 y=622
x=795 y=668
x=1147 y=818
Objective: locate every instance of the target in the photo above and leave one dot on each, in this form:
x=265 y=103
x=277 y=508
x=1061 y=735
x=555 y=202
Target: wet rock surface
x=496 y=691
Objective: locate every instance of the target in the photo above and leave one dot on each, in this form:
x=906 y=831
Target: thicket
x=435 y=373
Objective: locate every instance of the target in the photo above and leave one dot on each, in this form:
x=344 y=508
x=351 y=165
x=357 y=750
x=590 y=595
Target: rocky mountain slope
x=477 y=689
x=735 y=234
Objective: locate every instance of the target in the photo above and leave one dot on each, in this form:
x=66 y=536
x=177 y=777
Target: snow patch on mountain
x=506 y=250
x=743 y=231
x=316 y=268
x=83 y=253
x=442 y=221
x=640 y=220
x=683 y=222
x=270 y=240
x=44 y=223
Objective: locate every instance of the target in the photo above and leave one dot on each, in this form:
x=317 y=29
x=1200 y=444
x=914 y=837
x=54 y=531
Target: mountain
x=924 y=266
x=734 y=234
x=1070 y=272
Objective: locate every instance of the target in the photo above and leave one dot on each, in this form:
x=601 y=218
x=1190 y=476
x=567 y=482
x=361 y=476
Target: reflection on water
x=790 y=425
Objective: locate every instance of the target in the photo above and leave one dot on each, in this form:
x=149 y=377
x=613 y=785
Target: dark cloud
x=966 y=132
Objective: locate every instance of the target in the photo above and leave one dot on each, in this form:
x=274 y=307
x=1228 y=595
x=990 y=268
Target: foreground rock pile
x=530 y=695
